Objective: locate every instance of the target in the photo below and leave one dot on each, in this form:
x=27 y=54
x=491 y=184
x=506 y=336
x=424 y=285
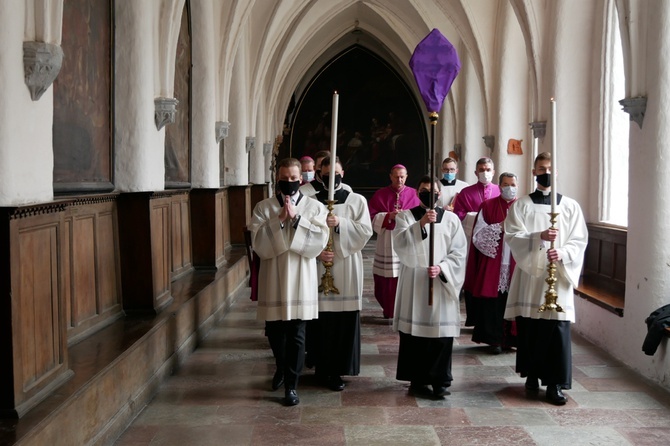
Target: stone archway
x=380 y=122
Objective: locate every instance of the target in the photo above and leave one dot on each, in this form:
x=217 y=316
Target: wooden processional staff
x=435 y=65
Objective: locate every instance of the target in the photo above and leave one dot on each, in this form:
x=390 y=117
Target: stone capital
x=41 y=64
x=221 y=130
x=489 y=141
x=539 y=128
x=166 y=111
x=635 y=107
x=250 y=143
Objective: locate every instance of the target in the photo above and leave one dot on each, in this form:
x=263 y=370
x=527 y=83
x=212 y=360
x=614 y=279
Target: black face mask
x=288 y=188
x=424 y=196
x=543 y=180
x=326 y=180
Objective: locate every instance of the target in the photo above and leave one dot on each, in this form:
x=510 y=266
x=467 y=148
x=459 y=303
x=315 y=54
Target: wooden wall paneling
x=34 y=352
x=208 y=238
x=107 y=255
x=181 y=261
x=85 y=305
x=259 y=192
x=160 y=250
x=223 y=223
x=66 y=253
x=239 y=199
x=144 y=240
x=92 y=266
x=605 y=259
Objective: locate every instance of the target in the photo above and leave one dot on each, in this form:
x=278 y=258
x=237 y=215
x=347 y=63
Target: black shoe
x=291 y=397
x=440 y=391
x=495 y=350
x=532 y=385
x=555 y=395
x=277 y=380
x=419 y=390
x=335 y=383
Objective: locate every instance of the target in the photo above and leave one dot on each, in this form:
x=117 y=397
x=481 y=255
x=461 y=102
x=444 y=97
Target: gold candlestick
x=327 y=284
x=550 y=296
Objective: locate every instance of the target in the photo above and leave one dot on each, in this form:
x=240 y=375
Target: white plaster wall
x=139 y=147
x=236 y=158
x=512 y=111
x=205 y=150
x=26 y=148
x=647 y=266
x=570 y=61
x=473 y=117
x=445 y=135
x=257 y=159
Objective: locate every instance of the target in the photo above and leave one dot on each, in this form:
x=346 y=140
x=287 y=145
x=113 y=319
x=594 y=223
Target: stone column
x=512 y=99
x=236 y=157
x=256 y=158
x=26 y=148
x=205 y=156
x=138 y=146
x=472 y=116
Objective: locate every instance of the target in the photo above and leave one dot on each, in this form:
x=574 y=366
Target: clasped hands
x=287 y=211
x=550 y=235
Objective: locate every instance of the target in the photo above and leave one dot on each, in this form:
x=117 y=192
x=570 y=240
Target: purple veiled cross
x=435 y=65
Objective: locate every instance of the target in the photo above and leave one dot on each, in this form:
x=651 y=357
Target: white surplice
x=523 y=225
x=413 y=315
x=287 y=280
x=447 y=193
x=354 y=232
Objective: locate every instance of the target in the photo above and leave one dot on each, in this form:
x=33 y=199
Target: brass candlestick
x=327 y=284
x=550 y=296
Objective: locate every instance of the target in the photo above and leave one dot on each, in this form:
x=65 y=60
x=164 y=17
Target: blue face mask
x=449 y=176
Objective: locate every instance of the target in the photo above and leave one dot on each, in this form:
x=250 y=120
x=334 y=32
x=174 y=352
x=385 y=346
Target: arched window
x=614 y=154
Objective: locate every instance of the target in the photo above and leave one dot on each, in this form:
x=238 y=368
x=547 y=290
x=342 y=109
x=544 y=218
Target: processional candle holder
x=550 y=296
x=327 y=284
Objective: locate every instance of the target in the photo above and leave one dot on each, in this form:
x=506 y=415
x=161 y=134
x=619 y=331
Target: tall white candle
x=333 y=148
x=554 y=162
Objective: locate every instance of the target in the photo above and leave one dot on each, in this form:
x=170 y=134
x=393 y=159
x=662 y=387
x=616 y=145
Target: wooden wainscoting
x=211 y=227
x=33 y=350
x=91 y=268
x=240 y=204
x=155 y=243
x=181 y=255
x=604 y=277
x=259 y=192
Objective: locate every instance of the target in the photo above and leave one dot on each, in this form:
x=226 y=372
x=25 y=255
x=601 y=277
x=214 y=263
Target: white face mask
x=485 y=177
x=308 y=176
x=508 y=192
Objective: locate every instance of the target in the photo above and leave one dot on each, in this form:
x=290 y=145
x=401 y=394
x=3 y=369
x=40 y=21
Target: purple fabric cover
x=435 y=65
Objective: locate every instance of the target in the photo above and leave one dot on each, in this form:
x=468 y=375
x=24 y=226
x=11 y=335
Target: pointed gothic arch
x=380 y=121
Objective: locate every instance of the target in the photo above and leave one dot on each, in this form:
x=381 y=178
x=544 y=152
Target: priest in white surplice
x=427 y=331
x=338 y=331
x=288 y=231
x=543 y=339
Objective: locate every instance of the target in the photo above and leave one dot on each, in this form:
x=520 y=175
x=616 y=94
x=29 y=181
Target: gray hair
x=506 y=175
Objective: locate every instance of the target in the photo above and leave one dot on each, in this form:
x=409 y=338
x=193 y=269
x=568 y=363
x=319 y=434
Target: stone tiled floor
x=222 y=396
